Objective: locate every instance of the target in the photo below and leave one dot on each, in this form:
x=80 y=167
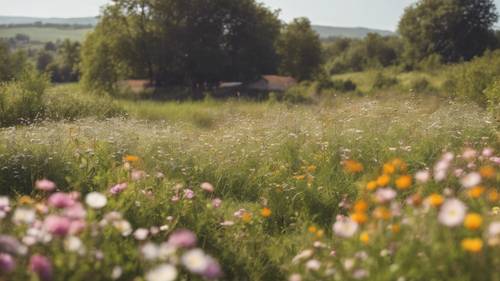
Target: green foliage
x=12 y=64
x=421 y=85
x=383 y=81
x=452 y=29
x=299 y=48
x=492 y=94
x=21 y=101
x=336 y=85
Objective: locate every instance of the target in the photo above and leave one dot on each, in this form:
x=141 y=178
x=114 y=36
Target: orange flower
x=435 y=200
x=473 y=221
x=359 y=217
x=382 y=213
x=26 y=200
x=266 y=212
x=300 y=178
x=395 y=228
x=353 y=166
x=371 y=185
x=404 y=182
x=473 y=245
x=311 y=169
x=389 y=169
x=131 y=158
x=487 y=172
x=246 y=217
x=475 y=192
x=360 y=206
x=364 y=237
x=312 y=229
x=493 y=196
x=400 y=164
x=383 y=180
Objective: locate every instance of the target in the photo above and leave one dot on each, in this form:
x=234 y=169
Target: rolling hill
x=348 y=32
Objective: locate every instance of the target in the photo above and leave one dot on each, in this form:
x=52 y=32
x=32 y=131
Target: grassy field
x=262 y=185
x=45 y=34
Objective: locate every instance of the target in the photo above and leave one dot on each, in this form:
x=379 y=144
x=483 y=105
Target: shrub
x=337 y=85
x=21 y=101
x=298 y=94
x=421 y=85
x=492 y=94
x=382 y=81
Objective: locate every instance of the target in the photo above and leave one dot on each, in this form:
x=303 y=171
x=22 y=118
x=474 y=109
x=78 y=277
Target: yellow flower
x=246 y=217
x=389 y=169
x=383 y=180
x=487 y=172
x=266 y=212
x=400 y=164
x=382 y=213
x=473 y=221
x=371 y=185
x=395 y=228
x=311 y=169
x=26 y=200
x=353 y=166
x=473 y=245
x=320 y=233
x=493 y=196
x=364 y=237
x=300 y=178
x=475 y=192
x=404 y=182
x=435 y=200
x=359 y=217
x=312 y=229
x=131 y=158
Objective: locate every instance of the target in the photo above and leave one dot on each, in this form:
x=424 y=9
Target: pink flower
x=188 y=193
x=385 y=195
x=57 y=225
x=213 y=270
x=138 y=175
x=61 y=200
x=183 y=239
x=45 y=185
x=77 y=227
x=75 y=212
x=422 y=176
x=216 y=203
x=42 y=267
x=207 y=187
x=7 y=263
x=119 y=188
x=9 y=245
x=487 y=152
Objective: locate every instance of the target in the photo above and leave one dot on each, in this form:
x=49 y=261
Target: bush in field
x=11 y=64
x=22 y=100
x=382 y=81
x=492 y=94
x=421 y=85
x=336 y=85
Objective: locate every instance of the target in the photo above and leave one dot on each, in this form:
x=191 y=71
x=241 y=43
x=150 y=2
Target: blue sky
x=382 y=14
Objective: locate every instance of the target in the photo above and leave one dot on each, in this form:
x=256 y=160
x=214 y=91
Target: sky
x=380 y=14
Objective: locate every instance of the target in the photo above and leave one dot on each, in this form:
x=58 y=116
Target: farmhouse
x=272 y=83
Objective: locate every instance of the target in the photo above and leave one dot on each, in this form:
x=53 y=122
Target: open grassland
x=45 y=34
x=281 y=176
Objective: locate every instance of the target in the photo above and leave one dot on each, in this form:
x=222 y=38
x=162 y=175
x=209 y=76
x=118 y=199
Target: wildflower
x=61 y=200
x=345 y=227
x=118 y=188
x=487 y=172
x=471 y=180
x=75 y=212
x=45 y=185
x=382 y=213
x=452 y=213
x=487 y=152
x=96 y=200
x=383 y=180
x=435 y=200
x=131 y=158
x=353 y=166
x=4 y=206
x=7 y=263
x=312 y=229
x=303 y=255
x=404 y=182
x=469 y=154
x=493 y=196
x=24 y=216
x=213 y=269
x=360 y=206
x=360 y=274
x=246 y=217
x=149 y=251
x=385 y=195
x=313 y=265
x=57 y=225
x=372 y=185
x=141 y=234
x=364 y=237
x=207 y=187
x=295 y=277
x=73 y=244
x=311 y=169
x=389 y=169
x=359 y=217
x=320 y=233
x=300 y=177
x=216 y=203
x=475 y=192
x=116 y=273
x=25 y=200
x=473 y=221
x=473 y=245
x=395 y=228
x=422 y=176
x=195 y=261
x=42 y=267
x=164 y=272
x=188 y=193
x=138 y=175
x=494 y=229
x=9 y=245
x=266 y=212
x=182 y=238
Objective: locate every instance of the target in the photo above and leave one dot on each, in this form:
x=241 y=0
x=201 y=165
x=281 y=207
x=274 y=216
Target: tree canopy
x=452 y=29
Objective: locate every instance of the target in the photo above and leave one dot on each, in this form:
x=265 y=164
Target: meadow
x=380 y=187
x=46 y=34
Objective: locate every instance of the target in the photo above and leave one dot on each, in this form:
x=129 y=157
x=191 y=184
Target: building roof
x=273 y=83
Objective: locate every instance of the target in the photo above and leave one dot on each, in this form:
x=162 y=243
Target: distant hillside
x=5 y=20
x=349 y=32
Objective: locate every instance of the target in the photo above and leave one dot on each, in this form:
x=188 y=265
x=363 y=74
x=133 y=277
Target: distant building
x=272 y=83
x=135 y=86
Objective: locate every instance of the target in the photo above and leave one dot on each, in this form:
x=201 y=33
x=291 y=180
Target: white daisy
x=96 y=200
x=452 y=212
x=164 y=272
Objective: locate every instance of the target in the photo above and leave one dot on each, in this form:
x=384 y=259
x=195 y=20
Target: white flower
x=24 y=216
x=123 y=227
x=164 y=272
x=471 y=180
x=96 y=200
x=303 y=255
x=116 y=273
x=73 y=244
x=208 y=187
x=165 y=251
x=195 y=261
x=313 y=265
x=385 y=195
x=452 y=212
x=494 y=229
x=295 y=277
x=4 y=206
x=149 y=251
x=141 y=234
x=422 y=176
x=345 y=227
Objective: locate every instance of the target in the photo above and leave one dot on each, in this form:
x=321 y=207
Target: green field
x=45 y=34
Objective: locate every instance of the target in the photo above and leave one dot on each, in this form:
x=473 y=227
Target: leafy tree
x=44 y=59
x=11 y=64
x=453 y=29
x=300 y=50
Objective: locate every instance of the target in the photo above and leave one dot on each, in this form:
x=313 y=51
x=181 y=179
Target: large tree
x=187 y=42
x=300 y=50
x=452 y=29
